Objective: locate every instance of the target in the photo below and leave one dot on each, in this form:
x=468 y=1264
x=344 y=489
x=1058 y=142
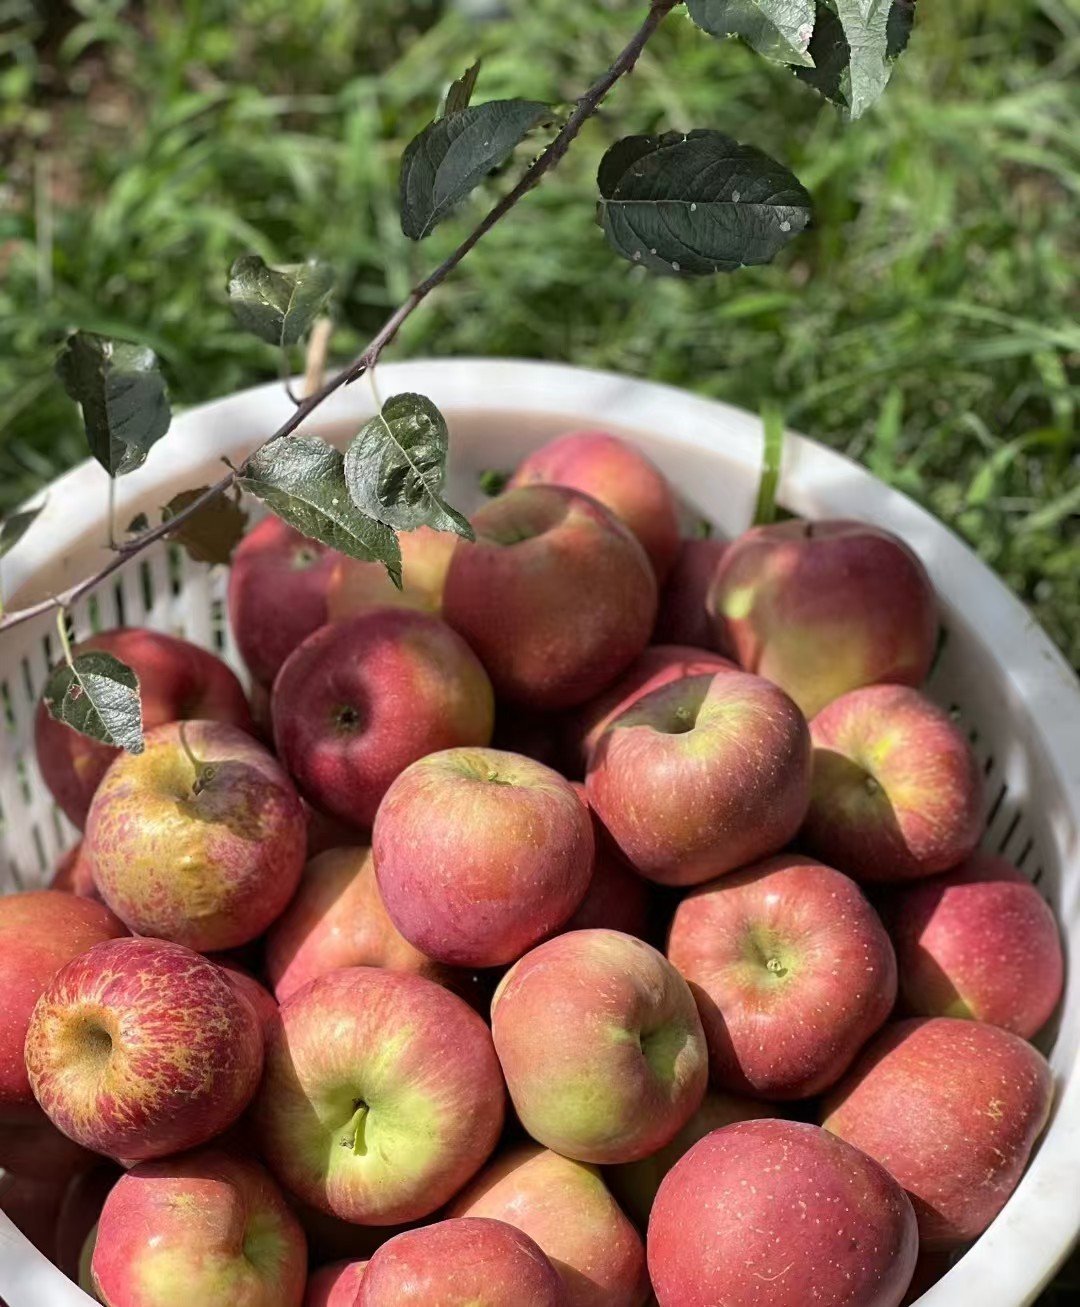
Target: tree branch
x=586 y=106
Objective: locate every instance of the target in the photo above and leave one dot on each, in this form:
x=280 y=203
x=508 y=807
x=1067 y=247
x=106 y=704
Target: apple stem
x=359 y=1119
x=204 y=771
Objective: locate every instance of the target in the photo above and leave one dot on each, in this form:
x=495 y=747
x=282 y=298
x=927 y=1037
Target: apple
x=601 y=1046
x=140 y=1047
x=33 y=1207
x=382 y=1095
x=177 y=680
x=332 y=1239
x=792 y=971
x=683 y=616
x=425 y=559
x=896 y=792
x=555 y=595
x=205 y=1228
x=336 y=1285
x=466 y=1262
x=199 y=839
x=635 y=1184
x=480 y=854
x=325 y=833
x=79 y=1212
x=702 y=775
x=953 y=1109
x=620 y=477
x=617 y=897
x=780 y=1212
x=657 y=665
x=277 y=595
x=40 y=931
x=979 y=942
x=74 y=875
x=822 y=608
x=31 y=1145
x=337 y=919
x=361 y=699
x=263 y=1003
x=567 y=1209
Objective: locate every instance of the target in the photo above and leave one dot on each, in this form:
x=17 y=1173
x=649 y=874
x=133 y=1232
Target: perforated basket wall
x=1015 y=696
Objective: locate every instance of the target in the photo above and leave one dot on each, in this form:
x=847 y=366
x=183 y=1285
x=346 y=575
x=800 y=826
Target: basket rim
x=1043 y=1215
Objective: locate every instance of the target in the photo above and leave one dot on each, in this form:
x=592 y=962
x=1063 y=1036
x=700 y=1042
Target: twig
x=586 y=106
x=315 y=363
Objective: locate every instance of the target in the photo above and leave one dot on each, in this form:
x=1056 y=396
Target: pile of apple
x=341 y=985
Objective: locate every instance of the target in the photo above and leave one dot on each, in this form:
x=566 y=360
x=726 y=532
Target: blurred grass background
x=926 y=326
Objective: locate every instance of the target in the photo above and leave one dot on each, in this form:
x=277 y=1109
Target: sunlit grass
x=925 y=325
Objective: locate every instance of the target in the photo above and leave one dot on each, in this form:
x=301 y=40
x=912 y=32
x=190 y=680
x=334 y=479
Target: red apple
x=822 y=608
x=555 y=595
x=277 y=594
x=361 y=699
x=31 y=1145
x=703 y=775
x=74 y=875
x=566 y=1208
x=620 y=477
x=425 y=558
x=263 y=1003
x=978 y=942
x=617 y=897
x=461 y=1263
x=952 y=1108
x=139 y=1048
x=39 y=932
x=601 y=1046
x=635 y=1184
x=205 y=1228
x=480 y=854
x=896 y=792
x=336 y=1285
x=780 y=1213
x=33 y=1207
x=683 y=616
x=337 y=919
x=325 y=833
x=177 y=680
x=657 y=665
x=382 y=1095
x=792 y=971
x=79 y=1212
x=332 y=1239
x=199 y=839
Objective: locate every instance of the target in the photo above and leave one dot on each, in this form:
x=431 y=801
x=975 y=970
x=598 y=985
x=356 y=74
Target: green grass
x=924 y=326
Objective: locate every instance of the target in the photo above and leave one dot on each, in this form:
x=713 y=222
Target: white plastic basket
x=1011 y=688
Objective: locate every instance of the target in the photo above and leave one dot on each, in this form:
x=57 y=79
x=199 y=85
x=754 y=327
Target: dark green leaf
x=97 y=695
x=854 y=46
x=278 y=304
x=454 y=154
x=777 y=29
x=460 y=92
x=302 y=480
x=13 y=528
x=138 y=524
x=212 y=532
x=125 y=404
x=396 y=465
x=697 y=203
